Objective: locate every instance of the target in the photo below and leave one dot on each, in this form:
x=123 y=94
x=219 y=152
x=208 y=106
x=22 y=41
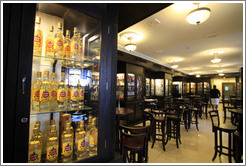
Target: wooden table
x=236 y=114
x=120 y=113
x=150 y=103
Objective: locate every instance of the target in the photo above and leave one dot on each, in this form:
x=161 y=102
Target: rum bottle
x=81 y=95
x=92 y=136
x=67 y=144
x=38 y=38
x=67 y=47
x=59 y=42
x=34 y=149
x=61 y=93
x=53 y=92
x=68 y=90
x=49 y=44
x=36 y=93
x=74 y=97
x=74 y=45
x=45 y=93
x=88 y=128
x=40 y=136
x=80 y=140
x=81 y=55
x=52 y=146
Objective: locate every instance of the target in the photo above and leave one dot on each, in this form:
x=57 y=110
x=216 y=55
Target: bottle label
x=35 y=94
x=35 y=156
x=52 y=152
x=68 y=94
x=37 y=40
x=74 y=95
x=81 y=144
x=53 y=96
x=44 y=95
x=58 y=44
x=61 y=95
x=74 y=49
x=67 y=50
x=91 y=142
x=49 y=46
x=67 y=148
x=82 y=94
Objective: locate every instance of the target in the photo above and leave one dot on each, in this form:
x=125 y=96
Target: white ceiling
x=174 y=38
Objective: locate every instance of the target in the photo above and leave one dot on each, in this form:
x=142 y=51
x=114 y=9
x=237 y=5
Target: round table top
x=123 y=111
x=150 y=100
x=181 y=98
x=237 y=110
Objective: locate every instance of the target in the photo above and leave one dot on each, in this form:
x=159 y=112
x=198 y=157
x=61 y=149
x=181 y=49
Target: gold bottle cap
x=51 y=28
x=37 y=125
x=67 y=33
x=53 y=128
x=35 y=130
x=75 y=29
x=46 y=73
x=52 y=122
x=79 y=35
x=38 y=20
x=54 y=75
x=94 y=121
x=59 y=25
x=39 y=74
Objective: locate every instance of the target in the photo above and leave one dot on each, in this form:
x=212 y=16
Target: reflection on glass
x=152 y=87
x=147 y=87
x=131 y=86
x=120 y=86
x=166 y=87
x=193 y=87
x=159 y=87
x=139 y=87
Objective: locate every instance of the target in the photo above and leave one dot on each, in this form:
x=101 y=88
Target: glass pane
x=152 y=87
x=166 y=87
x=65 y=85
x=147 y=87
x=159 y=87
x=139 y=87
x=193 y=87
x=120 y=86
x=131 y=86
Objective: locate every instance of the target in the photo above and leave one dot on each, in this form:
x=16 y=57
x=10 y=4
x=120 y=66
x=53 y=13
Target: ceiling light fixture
x=219 y=71
x=221 y=74
x=216 y=59
x=198 y=75
x=174 y=66
x=130 y=46
x=199 y=15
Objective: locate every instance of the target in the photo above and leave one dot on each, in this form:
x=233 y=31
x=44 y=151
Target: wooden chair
x=226 y=128
x=135 y=140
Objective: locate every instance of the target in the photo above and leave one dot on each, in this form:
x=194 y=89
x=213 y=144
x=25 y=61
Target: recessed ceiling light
x=198 y=75
x=221 y=74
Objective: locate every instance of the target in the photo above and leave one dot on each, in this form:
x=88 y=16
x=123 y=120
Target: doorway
x=228 y=89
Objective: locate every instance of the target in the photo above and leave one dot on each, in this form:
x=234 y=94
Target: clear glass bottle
x=81 y=47
x=81 y=95
x=36 y=93
x=75 y=45
x=74 y=97
x=92 y=136
x=67 y=45
x=59 y=42
x=38 y=38
x=49 y=44
x=52 y=145
x=45 y=93
x=80 y=141
x=62 y=94
x=40 y=136
x=67 y=144
x=68 y=90
x=34 y=148
x=53 y=92
x=87 y=130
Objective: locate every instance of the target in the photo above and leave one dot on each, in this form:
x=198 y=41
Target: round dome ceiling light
x=199 y=15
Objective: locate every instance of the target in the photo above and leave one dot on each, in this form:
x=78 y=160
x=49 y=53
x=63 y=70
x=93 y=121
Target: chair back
x=214 y=116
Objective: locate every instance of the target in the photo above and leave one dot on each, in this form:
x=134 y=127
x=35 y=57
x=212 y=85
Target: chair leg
x=163 y=135
x=196 y=115
x=215 y=145
x=124 y=155
x=220 y=139
x=154 y=133
x=224 y=115
x=229 y=146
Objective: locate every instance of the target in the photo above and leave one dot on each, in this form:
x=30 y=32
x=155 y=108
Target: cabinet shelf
x=70 y=110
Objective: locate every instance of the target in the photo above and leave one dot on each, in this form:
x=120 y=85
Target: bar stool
x=173 y=128
x=227 y=128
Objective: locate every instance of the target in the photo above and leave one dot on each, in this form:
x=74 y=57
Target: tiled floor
x=196 y=147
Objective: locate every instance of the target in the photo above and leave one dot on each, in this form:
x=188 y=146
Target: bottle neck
x=37 y=25
x=75 y=34
x=59 y=30
x=46 y=78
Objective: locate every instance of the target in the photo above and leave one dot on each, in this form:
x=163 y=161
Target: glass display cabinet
x=188 y=88
x=206 y=87
x=61 y=93
x=184 y=88
x=192 y=87
x=200 y=88
x=120 y=86
x=147 y=86
x=130 y=86
x=139 y=87
x=166 y=87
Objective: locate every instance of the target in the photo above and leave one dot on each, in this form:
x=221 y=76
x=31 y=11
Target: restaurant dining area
x=123 y=83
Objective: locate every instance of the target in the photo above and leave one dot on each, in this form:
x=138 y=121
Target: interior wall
x=218 y=82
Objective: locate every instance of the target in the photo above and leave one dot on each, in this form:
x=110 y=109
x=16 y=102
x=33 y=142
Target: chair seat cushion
x=134 y=144
x=226 y=127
